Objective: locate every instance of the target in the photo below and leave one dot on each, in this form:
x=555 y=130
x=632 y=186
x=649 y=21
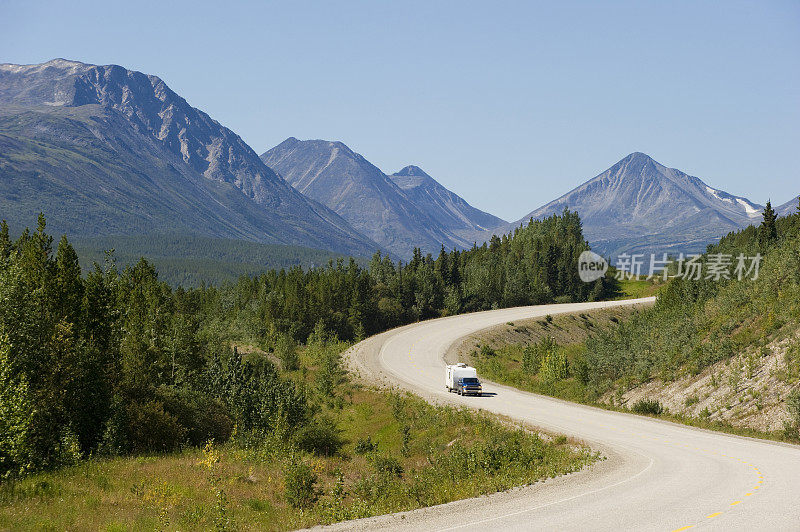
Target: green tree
x=768 y=230
x=554 y=365
x=286 y=352
x=15 y=418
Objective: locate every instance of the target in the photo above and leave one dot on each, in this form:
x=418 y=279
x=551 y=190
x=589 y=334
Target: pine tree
x=768 y=231
x=69 y=285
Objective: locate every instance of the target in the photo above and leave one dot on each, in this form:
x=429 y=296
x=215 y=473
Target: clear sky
x=509 y=104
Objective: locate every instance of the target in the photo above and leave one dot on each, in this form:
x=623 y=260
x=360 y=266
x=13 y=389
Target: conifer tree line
x=535 y=264
x=115 y=361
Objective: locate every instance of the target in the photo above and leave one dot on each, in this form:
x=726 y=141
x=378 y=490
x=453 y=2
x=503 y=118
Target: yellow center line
x=713 y=515
x=687 y=527
x=734 y=503
x=747 y=494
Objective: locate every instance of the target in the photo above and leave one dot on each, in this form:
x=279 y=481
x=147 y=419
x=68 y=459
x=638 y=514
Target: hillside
x=790 y=207
x=346 y=182
x=108 y=151
x=714 y=353
x=190 y=261
x=641 y=206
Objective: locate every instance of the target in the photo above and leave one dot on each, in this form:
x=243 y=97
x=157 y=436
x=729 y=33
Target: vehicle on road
x=462 y=379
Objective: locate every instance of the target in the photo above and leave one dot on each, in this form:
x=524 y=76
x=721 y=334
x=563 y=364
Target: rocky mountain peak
x=412 y=177
x=638 y=202
x=412 y=170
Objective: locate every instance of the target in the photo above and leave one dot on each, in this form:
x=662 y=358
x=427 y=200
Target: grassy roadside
x=375 y=453
x=639 y=287
x=558 y=344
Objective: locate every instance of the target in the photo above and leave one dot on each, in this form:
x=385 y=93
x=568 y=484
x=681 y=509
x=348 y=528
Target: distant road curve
x=658 y=476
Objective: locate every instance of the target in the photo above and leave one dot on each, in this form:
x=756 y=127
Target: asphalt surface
x=658 y=475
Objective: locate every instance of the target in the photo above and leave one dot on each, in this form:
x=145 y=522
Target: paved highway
x=658 y=476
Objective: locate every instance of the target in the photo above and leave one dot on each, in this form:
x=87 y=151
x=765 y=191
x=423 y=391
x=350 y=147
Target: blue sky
x=509 y=104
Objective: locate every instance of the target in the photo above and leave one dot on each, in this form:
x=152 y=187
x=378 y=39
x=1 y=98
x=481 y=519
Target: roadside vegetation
x=114 y=374
x=363 y=452
x=741 y=337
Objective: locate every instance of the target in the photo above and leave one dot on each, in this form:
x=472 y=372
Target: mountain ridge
x=133 y=141
x=640 y=205
x=333 y=174
x=448 y=208
x=790 y=207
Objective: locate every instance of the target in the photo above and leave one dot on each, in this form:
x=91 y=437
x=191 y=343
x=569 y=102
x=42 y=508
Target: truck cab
x=469 y=386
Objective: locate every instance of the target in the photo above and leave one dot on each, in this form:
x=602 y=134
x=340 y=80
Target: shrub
x=203 y=417
x=152 y=429
x=530 y=359
x=300 y=485
x=487 y=351
x=365 y=446
x=647 y=407
x=554 y=365
x=387 y=465
x=286 y=352
x=793 y=406
x=792 y=426
x=329 y=373
x=320 y=437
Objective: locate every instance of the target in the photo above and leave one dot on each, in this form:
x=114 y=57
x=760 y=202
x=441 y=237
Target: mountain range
x=400 y=212
x=108 y=152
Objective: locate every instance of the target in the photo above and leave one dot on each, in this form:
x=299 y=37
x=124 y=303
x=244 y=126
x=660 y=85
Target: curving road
x=658 y=476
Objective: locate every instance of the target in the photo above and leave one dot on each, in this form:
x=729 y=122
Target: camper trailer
x=462 y=379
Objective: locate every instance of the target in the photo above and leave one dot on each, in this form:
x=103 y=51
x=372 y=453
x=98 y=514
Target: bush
x=286 y=352
x=792 y=426
x=365 y=446
x=152 y=429
x=487 y=351
x=320 y=437
x=300 y=485
x=330 y=372
x=530 y=359
x=647 y=407
x=202 y=417
x=554 y=366
x=387 y=465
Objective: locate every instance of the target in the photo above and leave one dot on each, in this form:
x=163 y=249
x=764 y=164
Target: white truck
x=462 y=379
